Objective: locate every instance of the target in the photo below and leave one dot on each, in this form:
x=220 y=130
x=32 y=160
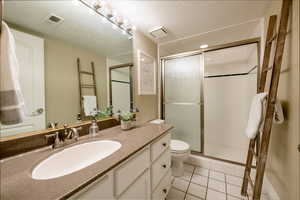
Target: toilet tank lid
x=179 y=146
x=157 y=121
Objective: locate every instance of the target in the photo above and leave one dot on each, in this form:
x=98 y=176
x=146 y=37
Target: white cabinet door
x=130 y=170
x=30 y=54
x=139 y=190
x=100 y=189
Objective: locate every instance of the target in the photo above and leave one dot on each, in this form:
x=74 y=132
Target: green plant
x=107 y=112
x=126 y=116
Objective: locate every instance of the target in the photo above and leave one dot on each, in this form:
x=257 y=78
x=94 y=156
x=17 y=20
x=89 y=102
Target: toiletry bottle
x=93 y=128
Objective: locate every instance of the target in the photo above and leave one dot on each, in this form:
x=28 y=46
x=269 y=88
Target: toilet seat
x=178 y=146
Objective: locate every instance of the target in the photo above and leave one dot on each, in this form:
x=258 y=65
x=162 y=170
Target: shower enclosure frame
x=130 y=65
x=256 y=40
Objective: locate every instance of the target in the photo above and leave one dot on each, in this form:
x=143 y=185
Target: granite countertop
x=16 y=182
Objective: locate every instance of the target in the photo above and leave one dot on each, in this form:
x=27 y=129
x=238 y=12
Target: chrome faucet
x=73 y=133
x=57 y=141
x=69 y=137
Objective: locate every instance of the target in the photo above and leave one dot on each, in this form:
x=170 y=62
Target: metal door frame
x=130 y=66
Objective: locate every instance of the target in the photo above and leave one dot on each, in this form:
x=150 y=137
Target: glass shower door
x=182 y=98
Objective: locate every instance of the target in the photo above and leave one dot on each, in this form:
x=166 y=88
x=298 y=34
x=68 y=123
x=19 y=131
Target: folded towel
x=11 y=98
x=89 y=105
x=255 y=115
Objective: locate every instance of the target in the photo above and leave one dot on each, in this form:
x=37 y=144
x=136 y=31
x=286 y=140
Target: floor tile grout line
x=195 y=196
x=189 y=183
x=217 y=180
x=174 y=188
x=207 y=185
x=199 y=184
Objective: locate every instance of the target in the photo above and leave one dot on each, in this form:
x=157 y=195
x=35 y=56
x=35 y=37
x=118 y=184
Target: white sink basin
x=74 y=158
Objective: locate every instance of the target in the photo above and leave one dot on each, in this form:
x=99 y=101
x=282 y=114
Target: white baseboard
x=268 y=191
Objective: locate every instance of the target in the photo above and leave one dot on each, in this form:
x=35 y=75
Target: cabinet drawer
x=163 y=188
x=139 y=189
x=160 y=146
x=160 y=167
x=130 y=170
x=102 y=188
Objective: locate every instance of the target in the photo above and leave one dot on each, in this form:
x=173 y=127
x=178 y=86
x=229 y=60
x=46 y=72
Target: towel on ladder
x=89 y=105
x=256 y=115
x=11 y=98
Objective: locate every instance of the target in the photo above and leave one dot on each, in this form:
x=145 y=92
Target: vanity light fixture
x=102 y=8
x=203 y=46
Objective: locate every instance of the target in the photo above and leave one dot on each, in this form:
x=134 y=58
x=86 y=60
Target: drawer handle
x=164 y=166
x=165 y=191
x=164 y=144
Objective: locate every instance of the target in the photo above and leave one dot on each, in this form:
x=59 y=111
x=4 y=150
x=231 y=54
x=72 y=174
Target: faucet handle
x=51 y=125
x=56 y=139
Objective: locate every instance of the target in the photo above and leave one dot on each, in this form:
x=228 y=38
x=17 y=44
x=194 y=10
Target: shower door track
x=255 y=40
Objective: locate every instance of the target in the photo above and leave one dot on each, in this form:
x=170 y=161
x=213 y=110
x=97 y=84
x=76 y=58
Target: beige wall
x=147 y=104
x=283 y=162
x=61 y=76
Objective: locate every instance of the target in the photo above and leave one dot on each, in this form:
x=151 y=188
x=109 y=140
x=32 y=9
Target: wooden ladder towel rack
x=85 y=86
x=261 y=142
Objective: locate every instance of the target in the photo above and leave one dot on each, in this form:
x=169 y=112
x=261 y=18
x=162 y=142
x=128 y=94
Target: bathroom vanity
x=144 y=175
x=140 y=169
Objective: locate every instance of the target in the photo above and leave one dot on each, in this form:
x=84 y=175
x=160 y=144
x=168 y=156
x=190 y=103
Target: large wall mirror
x=68 y=56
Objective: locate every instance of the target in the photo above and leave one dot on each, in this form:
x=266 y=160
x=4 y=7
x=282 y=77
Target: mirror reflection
x=72 y=64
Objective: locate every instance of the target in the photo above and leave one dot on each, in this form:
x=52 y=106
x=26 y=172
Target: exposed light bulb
x=114 y=12
x=203 y=46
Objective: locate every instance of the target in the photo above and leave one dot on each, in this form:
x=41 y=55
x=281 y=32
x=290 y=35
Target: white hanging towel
x=11 y=98
x=255 y=115
x=89 y=105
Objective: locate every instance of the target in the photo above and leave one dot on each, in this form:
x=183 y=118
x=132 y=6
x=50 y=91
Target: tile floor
x=205 y=184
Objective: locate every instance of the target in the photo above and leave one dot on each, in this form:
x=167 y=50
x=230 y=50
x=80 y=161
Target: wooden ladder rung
x=85 y=72
x=88 y=85
x=250 y=181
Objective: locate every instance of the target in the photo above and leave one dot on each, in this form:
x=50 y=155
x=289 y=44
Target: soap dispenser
x=93 y=128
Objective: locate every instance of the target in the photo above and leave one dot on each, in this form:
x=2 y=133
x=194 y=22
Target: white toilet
x=180 y=151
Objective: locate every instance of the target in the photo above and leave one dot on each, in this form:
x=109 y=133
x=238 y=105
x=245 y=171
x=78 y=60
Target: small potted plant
x=126 y=120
